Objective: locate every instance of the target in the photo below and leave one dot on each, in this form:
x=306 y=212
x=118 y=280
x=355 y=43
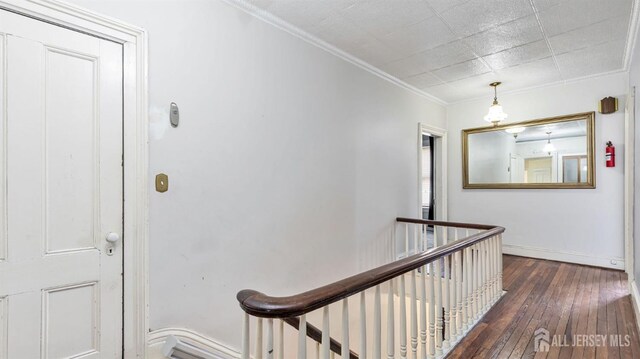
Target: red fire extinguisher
x=610 y=154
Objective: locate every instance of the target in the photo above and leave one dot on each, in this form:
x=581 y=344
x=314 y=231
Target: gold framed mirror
x=556 y=152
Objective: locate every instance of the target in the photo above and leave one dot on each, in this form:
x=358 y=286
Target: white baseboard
x=570 y=257
x=157 y=338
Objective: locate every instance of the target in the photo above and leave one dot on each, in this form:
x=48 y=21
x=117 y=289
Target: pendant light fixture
x=549 y=147
x=495 y=114
x=515 y=131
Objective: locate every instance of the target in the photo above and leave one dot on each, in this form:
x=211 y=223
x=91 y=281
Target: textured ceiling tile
x=380 y=17
x=423 y=81
x=373 y=52
x=518 y=55
x=592 y=60
x=442 y=5
x=433 y=59
x=445 y=55
x=304 y=14
x=479 y=15
x=418 y=37
x=530 y=74
x=573 y=14
x=471 y=87
x=462 y=70
x=505 y=36
x=608 y=30
x=342 y=33
x=545 y=4
x=406 y=67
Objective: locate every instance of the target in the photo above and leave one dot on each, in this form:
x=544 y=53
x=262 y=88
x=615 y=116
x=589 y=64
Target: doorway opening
x=428 y=178
x=432 y=173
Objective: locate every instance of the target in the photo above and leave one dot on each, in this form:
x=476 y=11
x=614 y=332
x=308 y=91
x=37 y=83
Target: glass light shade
x=512 y=130
x=549 y=147
x=495 y=114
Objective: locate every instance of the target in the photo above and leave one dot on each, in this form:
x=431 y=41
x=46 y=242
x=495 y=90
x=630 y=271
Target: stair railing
x=448 y=276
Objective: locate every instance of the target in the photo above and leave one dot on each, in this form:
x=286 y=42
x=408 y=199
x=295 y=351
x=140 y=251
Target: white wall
x=634 y=81
x=582 y=225
x=286 y=172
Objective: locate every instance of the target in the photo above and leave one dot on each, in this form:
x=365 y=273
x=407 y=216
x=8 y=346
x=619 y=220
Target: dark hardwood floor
x=587 y=309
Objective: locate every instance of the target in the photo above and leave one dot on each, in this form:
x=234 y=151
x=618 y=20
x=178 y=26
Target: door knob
x=113 y=237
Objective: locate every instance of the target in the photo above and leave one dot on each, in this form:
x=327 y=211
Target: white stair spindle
x=317 y=350
x=476 y=269
x=403 y=317
x=259 y=346
x=432 y=311
x=459 y=293
x=302 y=338
x=281 y=339
x=391 y=346
x=453 y=301
x=423 y=312
x=377 y=325
x=269 y=338
x=414 y=316
x=406 y=239
x=363 y=327
x=500 y=264
x=325 y=350
x=345 y=329
x=445 y=302
x=246 y=340
x=466 y=310
x=438 y=304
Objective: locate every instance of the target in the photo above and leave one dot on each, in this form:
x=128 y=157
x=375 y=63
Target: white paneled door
x=60 y=192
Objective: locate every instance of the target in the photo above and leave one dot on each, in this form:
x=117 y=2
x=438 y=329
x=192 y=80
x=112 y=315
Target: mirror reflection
x=544 y=153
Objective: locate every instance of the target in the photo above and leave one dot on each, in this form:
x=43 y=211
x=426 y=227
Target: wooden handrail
x=262 y=305
x=445 y=224
x=316 y=334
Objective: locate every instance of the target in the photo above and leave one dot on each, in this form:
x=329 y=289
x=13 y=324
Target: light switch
x=162 y=182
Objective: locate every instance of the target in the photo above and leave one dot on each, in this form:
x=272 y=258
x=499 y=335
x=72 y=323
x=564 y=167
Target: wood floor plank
x=573 y=302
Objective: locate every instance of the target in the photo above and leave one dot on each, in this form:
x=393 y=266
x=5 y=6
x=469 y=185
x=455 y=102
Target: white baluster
x=281 y=339
x=423 y=311
x=302 y=338
x=246 y=340
x=363 y=327
x=345 y=329
x=269 y=338
x=481 y=280
x=459 y=293
x=487 y=271
x=391 y=346
x=453 y=300
x=497 y=255
x=325 y=350
x=317 y=350
x=432 y=310
x=438 y=302
x=377 y=326
x=500 y=264
x=414 y=316
x=445 y=302
x=259 y=346
x=403 y=317
x=476 y=291
x=465 y=289
x=416 y=236
x=406 y=239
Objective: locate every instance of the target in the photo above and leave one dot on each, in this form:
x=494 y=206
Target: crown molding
x=273 y=20
x=541 y=86
x=632 y=34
